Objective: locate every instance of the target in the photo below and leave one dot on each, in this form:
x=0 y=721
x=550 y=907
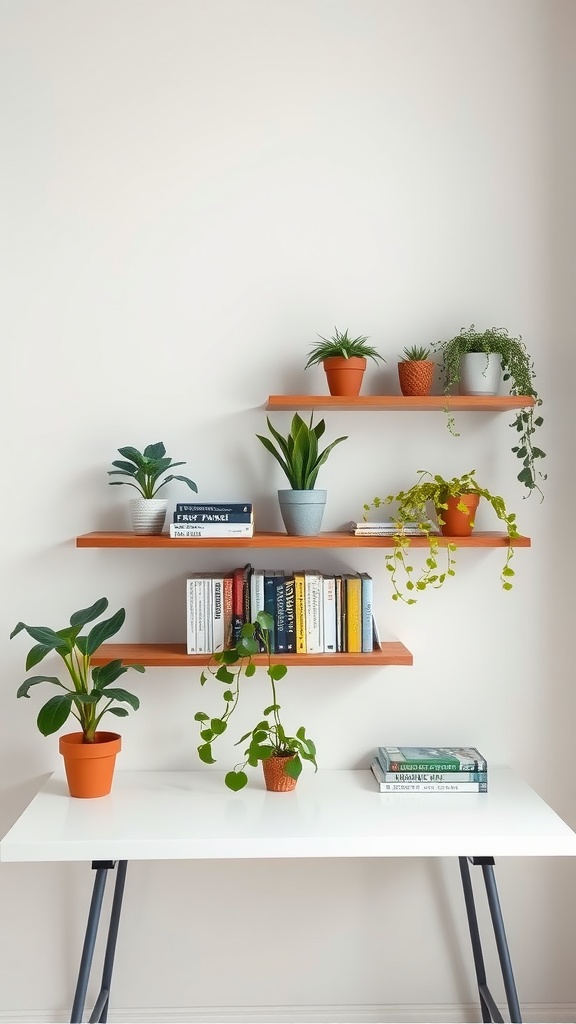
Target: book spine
x=353 y=590
x=270 y=605
x=385 y=776
x=280 y=613
x=257 y=598
x=237 y=604
x=367 y=591
x=314 y=615
x=300 y=604
x=211 y=530
x=219 y=507
x=227 y=606
x=429 y=764
x=204 y=615
x=339 y=587
x=290 y=614
x=217 y=613
x=212 y=517
x=433 y=787
x=329 y=608
x=191 y=616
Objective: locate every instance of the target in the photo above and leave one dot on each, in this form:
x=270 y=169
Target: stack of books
x=390 y=528
x=220 y=519
x=430 y=770
x=313 y=612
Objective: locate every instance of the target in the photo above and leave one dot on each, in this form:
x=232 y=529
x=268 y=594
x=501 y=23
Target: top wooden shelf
x=478 y=539
x=427 y=403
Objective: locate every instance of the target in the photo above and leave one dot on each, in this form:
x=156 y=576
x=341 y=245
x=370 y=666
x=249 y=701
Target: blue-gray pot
x=302 y=511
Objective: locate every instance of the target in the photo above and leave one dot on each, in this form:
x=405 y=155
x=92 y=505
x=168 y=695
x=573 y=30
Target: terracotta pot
x=90 y=766
x=457 y=523
x=344 y=376
x=416 y=376
x=274 y=775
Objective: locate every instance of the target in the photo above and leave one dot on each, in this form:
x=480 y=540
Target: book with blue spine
x=270 y=605
x=290 y=603
x=367 y=597
x=212 y=517
x=280 y=611
x=422 y=759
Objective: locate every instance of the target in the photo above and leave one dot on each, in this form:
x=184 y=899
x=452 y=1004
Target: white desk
x=191 y=815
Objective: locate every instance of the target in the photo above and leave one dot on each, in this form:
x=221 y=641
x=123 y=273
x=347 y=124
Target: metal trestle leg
x=100 y=1012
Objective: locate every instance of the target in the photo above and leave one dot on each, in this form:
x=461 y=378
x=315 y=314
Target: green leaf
x=117 y=693
x=205 y=753
x=218 y=726
x=277 y=672
x=236 y=780
x=200 y=716
x=34 y=680
x=119 y=712
x=104 y=630
x=54 y=713
x=293 y=767
x=86 y=615
x=223 y=675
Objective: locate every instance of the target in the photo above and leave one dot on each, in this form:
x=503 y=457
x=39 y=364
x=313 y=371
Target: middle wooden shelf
x=263 y=539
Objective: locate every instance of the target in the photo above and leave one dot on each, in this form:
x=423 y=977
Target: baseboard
x=535 y=1013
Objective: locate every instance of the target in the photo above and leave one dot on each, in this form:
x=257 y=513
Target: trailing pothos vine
x=268 y=738
x=518 y=368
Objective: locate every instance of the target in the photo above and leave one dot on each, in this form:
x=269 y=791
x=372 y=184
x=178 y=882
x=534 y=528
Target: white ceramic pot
x=148 y=514
x=302 y=511
x=480 y=373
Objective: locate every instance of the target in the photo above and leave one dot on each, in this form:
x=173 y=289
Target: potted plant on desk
x=89 y=755
x=344 y=361
x=281 y=755
x=301 y=506
x=454 y=502
x=144 y=471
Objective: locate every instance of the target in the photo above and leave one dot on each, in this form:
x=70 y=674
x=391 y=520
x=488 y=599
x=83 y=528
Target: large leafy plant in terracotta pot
x=268 y=743
x=344 y=360
x=89 y=694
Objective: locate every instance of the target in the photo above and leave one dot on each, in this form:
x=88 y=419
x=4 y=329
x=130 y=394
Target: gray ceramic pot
x=302 y=511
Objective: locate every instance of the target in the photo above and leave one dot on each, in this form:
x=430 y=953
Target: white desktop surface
x=192 y=815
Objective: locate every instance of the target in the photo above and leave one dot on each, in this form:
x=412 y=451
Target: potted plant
x=89 y=755
x=144 y=471
x=416 y=370
x=454 y=502
x=281 y=755
x=344 y=361
x=302 y=505
x=466 y=363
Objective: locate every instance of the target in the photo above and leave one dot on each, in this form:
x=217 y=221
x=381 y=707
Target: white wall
x=191 y=191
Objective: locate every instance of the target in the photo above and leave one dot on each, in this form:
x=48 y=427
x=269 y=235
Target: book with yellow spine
x=300 y=611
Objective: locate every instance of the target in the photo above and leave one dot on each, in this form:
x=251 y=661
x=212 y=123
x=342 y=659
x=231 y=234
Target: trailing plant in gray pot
x=301 y=506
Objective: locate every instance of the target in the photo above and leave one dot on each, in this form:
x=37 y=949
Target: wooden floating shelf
x=427 y=403
x=175 y=656
x=342 y=539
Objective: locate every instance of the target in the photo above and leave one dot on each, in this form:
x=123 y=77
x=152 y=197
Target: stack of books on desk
x=220 y=519
x=430 y=770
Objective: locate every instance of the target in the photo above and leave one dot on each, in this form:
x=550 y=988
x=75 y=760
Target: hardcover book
x=212 y=517
x=300 y=605
x=218 y=507
x=421 y=759
x=314 y=616
x=425 y=787
x=329 y=610
x=366 y=599
x=290 y=613
x=353 y=599
x=211 y=530
x=280 y=610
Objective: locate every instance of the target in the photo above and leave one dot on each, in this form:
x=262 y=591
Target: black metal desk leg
x=501 y=941
x=490 y=1011
x=100 y=1012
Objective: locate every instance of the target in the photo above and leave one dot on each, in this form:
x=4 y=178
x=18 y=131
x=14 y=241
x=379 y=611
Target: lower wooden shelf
x=263 y=539
x=175 y=656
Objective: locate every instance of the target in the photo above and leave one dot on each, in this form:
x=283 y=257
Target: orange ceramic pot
x=416 y=376
x=275 y=777
x=456 y=522
x=344 y=376
x=90 y=766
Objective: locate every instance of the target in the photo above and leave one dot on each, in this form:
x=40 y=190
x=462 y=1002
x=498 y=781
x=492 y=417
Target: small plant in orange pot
x=344 y=361
x=454 y=503
x=89 y=755
x=416 y=371
x=281 y=755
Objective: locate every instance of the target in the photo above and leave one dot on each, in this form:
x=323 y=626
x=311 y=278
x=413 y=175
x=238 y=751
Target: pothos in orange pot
x=453 y=503
x=89 y=755
x=268 y=742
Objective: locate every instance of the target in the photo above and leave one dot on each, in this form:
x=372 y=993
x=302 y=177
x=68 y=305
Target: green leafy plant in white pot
x=145 y=471
x=302 y=505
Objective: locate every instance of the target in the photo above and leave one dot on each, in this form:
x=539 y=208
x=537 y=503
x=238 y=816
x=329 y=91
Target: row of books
x=219 y=519
x=430 y=770
x=314 y=612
